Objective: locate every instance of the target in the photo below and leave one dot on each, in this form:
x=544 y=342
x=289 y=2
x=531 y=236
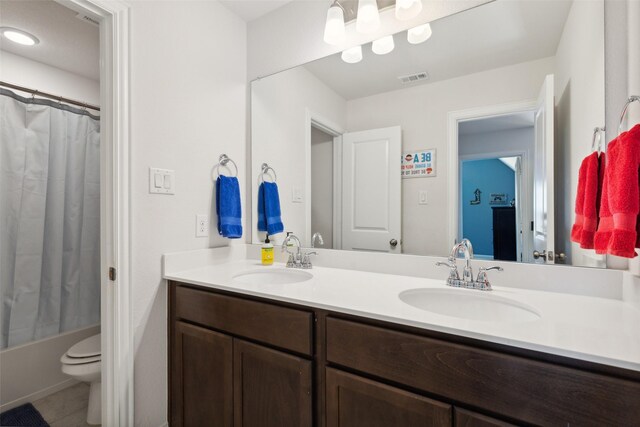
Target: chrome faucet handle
x=291 y=262
x=453 y=268
x=306 y=260
x=483 y=277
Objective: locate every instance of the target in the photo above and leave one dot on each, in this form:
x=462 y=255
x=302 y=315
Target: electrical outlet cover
x=202 y=225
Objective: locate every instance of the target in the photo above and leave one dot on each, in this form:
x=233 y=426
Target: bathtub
x=31 y=371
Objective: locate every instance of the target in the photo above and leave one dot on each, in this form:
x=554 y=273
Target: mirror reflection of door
x=364 y=211
x=371 y=190
x=496 y=175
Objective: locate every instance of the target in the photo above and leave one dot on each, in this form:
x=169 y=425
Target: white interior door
x=543 y=218
x=371 y=191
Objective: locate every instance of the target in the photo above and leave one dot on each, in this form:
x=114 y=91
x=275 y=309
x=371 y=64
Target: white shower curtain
x=49 y=219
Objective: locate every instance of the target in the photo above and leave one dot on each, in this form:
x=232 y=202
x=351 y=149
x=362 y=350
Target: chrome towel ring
x=223 y=162
x=632 y=99
x=265 y=171
x=598 y=143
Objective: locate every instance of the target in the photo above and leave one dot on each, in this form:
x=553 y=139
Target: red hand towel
x=578 y=226
x=592 y=195
x=618 y=228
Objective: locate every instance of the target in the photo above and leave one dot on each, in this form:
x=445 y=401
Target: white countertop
x=601 y=330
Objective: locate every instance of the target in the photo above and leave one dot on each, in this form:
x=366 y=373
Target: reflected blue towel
x=269 y=219
x=228 y=207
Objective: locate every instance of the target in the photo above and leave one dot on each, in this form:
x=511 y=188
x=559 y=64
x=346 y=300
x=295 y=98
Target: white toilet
x=83 y=362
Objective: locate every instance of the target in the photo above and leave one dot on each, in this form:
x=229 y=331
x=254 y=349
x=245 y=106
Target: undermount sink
x=469 y=304
x=272 y=276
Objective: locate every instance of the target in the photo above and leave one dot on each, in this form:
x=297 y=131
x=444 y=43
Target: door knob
x=393 y=243
x=537 y=255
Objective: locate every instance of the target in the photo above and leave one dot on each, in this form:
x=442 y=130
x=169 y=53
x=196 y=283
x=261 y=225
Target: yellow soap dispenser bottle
x=267 y=252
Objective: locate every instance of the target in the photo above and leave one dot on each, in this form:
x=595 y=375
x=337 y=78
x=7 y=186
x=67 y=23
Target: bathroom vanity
x=241 y=353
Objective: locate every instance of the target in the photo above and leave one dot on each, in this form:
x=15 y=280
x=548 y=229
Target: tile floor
x=66 y=408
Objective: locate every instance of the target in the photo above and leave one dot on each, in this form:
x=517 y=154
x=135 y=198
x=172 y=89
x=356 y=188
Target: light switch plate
x=296 y=195
x=162 y=181
x=422 y=197
x=202 y=225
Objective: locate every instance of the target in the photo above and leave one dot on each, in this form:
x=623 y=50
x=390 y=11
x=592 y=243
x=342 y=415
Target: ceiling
x=497 y=124
x=493 y=35
x=250 y=10
x=66 y=42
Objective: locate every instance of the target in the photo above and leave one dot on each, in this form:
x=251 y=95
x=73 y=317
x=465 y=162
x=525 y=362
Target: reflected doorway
x=495 y=180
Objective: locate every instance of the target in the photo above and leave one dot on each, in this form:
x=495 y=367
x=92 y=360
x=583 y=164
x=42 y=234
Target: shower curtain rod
x=50 y=96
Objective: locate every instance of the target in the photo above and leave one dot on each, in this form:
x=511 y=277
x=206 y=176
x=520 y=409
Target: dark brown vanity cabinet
x=245 y=361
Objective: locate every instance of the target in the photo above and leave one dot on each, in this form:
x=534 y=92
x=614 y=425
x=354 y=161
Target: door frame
x=524 y=193
x=115 y=231
x=313 y=119
x=454 y=118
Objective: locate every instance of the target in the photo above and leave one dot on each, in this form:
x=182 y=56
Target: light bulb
x=383 y=46
x=408 y=9
x=368 y=19
x=334 y=32
x=19 y=36
x=352 y=55
x=419 y=34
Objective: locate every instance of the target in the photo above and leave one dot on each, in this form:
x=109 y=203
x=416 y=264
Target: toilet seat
x=83 y=352
x=66 y=360
x=88 y=347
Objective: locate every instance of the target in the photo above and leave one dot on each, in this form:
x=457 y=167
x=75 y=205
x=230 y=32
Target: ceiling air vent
x=88 y=19
x=412 y=78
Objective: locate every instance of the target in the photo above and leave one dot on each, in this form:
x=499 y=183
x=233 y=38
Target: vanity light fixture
x=368 y=19
x=352 y=55
x=19 y=36
x=419 y=34
x=383 y=45
x=334 y=32
x=408 y=9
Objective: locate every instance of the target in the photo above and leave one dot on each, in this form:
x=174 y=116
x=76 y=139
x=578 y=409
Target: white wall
x=25 y=72
x=580 y=107
x=422 y=112
x=280 y=136
x=188 y=105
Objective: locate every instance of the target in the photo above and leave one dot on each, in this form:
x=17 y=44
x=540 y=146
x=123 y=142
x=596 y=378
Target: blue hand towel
x=228 y=207
x=269 y=219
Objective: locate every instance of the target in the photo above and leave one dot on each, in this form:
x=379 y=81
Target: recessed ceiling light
x=19 y=36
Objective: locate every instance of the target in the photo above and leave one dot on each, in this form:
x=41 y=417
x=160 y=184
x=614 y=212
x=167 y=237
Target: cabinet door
x=465 y=418
x=354 y=401
x=271 y=388
x=201 y=377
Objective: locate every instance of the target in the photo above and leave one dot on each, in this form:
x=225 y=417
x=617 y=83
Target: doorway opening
x=91 y=167
x=322 y=186
x=495 y=208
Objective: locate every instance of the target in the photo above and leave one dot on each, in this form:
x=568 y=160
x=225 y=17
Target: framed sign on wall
x=419 y=163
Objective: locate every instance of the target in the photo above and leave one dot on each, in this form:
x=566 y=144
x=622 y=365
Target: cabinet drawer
x=353 y=401
x=466 y=418
x=518 y=388
x=279 y=326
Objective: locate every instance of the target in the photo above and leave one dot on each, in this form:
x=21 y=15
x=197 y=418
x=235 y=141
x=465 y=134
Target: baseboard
x=39 y=394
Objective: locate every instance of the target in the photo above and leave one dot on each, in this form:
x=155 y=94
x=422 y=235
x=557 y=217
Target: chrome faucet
x=297 y=259
x=317 y=236
x=481 y=282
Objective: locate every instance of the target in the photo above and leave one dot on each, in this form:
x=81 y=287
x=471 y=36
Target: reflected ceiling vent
x=88 y=19
x=412 y=78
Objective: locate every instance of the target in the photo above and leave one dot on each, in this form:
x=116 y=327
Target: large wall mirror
x=477 y=132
